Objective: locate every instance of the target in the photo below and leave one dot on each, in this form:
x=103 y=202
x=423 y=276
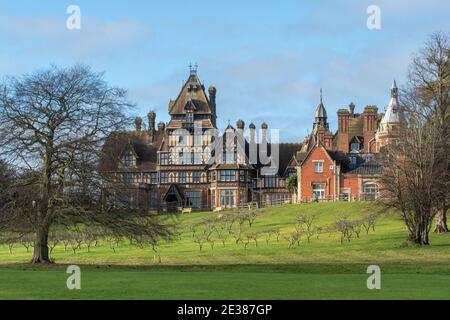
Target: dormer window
x=129 y=160
x=354 y=146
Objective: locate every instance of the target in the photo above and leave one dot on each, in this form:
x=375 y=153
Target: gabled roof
x=137 y=141
x=317 y=145
x=193 y=94
x=174 y=190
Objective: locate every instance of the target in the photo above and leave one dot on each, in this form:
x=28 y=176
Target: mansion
x=188 y=163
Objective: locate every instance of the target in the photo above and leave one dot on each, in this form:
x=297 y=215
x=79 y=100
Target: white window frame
x=318 y=169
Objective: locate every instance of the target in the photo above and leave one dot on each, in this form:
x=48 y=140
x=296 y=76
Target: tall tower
x=391 y=121
x=320 y=115
x=321 y=130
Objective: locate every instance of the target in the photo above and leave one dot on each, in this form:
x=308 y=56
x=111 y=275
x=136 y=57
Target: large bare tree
x=53 y=124
x=416 y=176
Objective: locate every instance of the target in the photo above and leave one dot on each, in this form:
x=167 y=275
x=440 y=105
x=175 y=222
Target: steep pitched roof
x=192 y=95
x=137 y=141
x=286 y=152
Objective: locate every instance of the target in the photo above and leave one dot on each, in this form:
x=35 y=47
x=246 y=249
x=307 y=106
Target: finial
x=193 y=69
x=320 y=95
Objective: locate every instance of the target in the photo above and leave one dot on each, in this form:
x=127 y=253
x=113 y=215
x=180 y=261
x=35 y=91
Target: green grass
x=237 y=282
x=320 y=269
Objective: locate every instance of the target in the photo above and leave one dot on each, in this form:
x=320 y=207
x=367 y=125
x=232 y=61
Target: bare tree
x=416 y=175
x=305 y=223
x=53 y=124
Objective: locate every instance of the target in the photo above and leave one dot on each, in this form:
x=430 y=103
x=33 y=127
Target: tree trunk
x=419 y=234
x=40 y=250
x=441 y=221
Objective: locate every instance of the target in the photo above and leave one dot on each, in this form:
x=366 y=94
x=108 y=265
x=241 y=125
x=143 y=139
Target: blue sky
x=268 y=59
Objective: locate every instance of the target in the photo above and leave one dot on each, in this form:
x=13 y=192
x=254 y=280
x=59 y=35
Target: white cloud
x=48 y=35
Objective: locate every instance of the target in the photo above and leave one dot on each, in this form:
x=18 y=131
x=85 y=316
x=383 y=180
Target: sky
x=267 y=59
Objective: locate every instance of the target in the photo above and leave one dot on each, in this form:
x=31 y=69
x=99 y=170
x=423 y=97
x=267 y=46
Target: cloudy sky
x=268 y=59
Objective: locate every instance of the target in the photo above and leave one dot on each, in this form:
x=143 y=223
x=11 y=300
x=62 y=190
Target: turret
x=321 y=115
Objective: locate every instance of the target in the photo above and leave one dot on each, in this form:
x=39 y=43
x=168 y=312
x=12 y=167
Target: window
x=318 y=191
x=193 y=199
x=227 y=175
x=318 y=166
x=213 y=176
x=354 y=146
x=129 y=159
x=352 y=160
x=370 y=191
x=196 y=177
x=242 y=176
x=164 y=177
x=189 y=117
x=229 y=156
x=182 y=177
x=197 y=158
x=164 y=159
x=186 y=157
x=270 y=182
x=227 y=198
x=154 y=178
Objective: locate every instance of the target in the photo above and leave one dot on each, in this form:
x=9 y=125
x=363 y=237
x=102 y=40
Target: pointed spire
x=394 y=85
x=321 y=113
x=394 y=90
x=392 y=113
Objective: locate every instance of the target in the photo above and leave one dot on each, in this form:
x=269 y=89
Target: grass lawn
x=232 y=282
x=321 y=269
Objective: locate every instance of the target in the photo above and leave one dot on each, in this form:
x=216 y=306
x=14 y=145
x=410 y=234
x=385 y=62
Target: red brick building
x=344 y=166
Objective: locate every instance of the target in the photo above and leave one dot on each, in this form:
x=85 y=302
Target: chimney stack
x=161 y=126
x=351 y=106
x=240 y=124
x=151 y=121
x=264 y=127
x=138 y=123
x=212 y=102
